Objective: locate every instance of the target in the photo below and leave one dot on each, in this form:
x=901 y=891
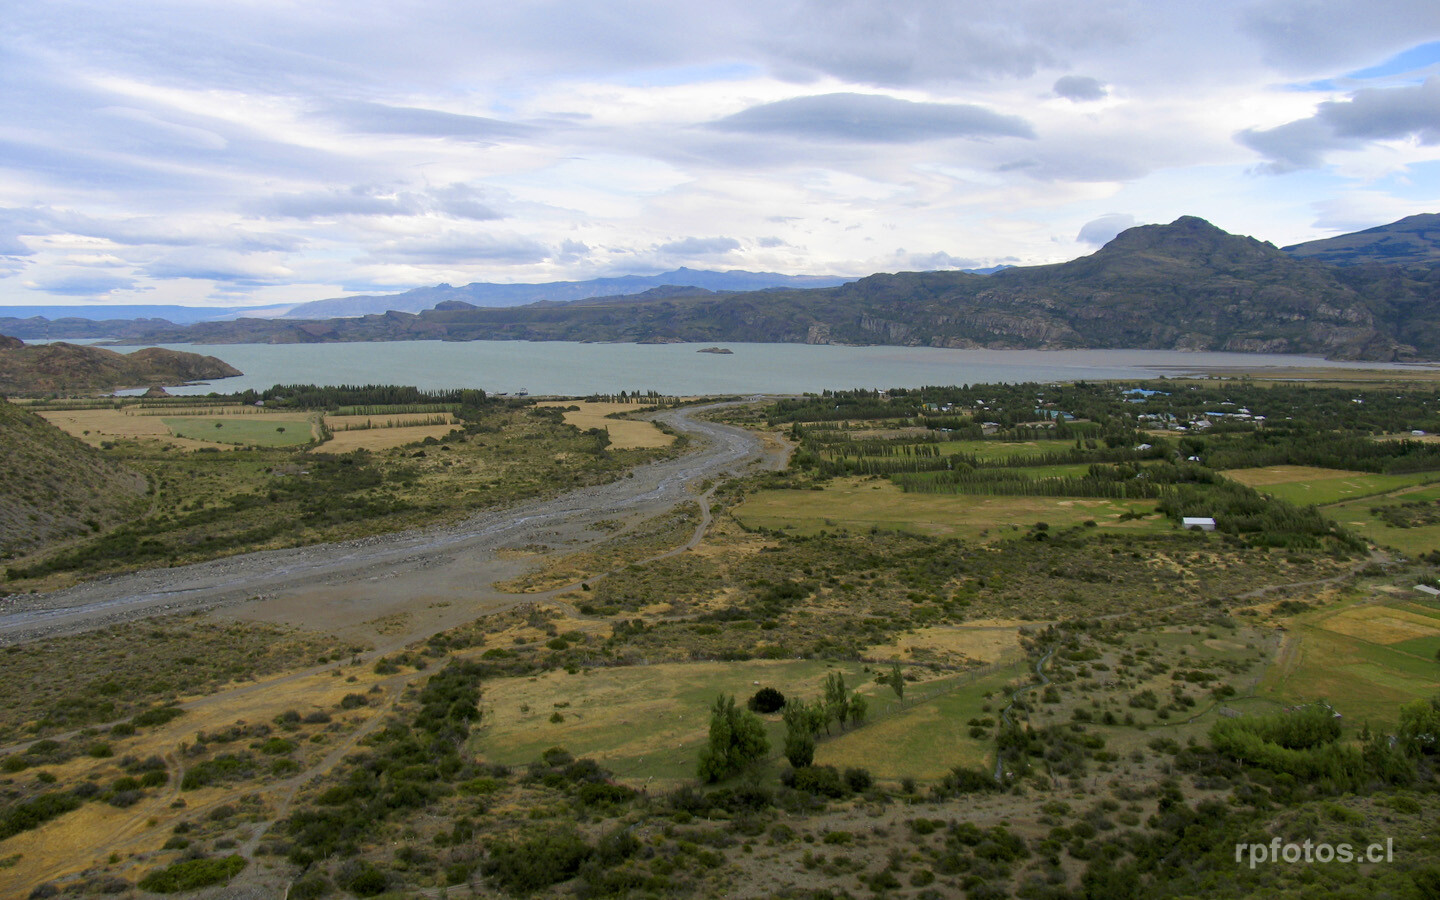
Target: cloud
x=87 y=285
x=696 y=246
x=1305 y=35
x=234 y=269
x=378 y=118
x=1080 y=88
x=872 y=118
x=1372 y=114
x=934 y=41
x=457 y=201
x=457 y=249
x=1101 y=231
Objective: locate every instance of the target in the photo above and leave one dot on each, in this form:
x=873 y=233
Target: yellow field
x=625 y=434
x=856 y=504
x=988 y=641
x=1382 y=624
x=382 y=438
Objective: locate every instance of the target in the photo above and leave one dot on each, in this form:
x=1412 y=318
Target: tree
x=896 y=680
x=802 y=723
x=737 y=739
x=858 y=708
x=837 y=700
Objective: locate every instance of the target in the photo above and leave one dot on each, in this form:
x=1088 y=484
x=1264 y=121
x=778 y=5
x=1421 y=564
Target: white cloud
x=280 y=151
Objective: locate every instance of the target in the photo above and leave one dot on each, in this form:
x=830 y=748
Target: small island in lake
x=724 y=350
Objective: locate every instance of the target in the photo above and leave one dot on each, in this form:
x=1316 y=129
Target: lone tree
x=737 y=739
x=837 y=700
x=896 y=680
x=802 y=723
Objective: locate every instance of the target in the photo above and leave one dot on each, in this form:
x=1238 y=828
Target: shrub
x=823 y=781
x=529 y=864
x=766 y=700
x=191 y=874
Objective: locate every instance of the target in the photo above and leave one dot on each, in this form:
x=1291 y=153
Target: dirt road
x=400 y=586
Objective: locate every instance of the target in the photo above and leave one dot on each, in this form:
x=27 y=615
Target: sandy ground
x=393 y=589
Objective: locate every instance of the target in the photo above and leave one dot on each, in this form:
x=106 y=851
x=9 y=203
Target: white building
x=1204 y=523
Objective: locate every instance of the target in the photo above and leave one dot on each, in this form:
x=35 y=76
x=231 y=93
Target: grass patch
x=259 y=431
x=1306 y=485
x=1364 y=680
x=858 y=505
x=639 y=721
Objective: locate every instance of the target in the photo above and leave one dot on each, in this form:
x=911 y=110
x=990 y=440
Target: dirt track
x=393 y=588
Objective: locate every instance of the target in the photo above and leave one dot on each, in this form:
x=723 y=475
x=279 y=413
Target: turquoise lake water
x=578 y=369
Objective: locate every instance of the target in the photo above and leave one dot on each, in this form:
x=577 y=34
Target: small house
x=1204 y=523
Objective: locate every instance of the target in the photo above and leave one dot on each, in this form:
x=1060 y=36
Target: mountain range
x=1187 y=285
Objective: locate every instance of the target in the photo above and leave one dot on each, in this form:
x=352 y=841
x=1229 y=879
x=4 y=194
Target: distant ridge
x=486 y=294
x=1414 y=240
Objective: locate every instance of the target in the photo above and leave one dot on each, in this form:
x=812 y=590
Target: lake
x=578 y=369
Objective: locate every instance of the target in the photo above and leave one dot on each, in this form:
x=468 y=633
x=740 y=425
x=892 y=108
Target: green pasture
x=859 y=505
x=1364 y=680
x=650 y=722
x=259 y=431
x=990 y=451
x=923 y=739
x=640 y=722
x=1322 y=491
x=1412 y=541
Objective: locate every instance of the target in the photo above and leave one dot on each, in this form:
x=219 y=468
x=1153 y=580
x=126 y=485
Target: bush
x=822 y=781
x=191 y=874
x=766 y=700
x=529 y=864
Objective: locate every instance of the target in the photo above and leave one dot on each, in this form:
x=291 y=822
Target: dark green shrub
x=191 y=874
x=529 y=864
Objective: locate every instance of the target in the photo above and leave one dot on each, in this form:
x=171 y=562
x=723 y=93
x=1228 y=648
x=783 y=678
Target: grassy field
x=922 y=740
x=258 y=431
x=642 y=722
x=1367 y=660
x=855 y=504
x=1413 y=541
x=1306 y=485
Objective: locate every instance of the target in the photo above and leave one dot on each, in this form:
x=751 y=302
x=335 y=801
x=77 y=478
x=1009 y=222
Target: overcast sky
x=273 y=151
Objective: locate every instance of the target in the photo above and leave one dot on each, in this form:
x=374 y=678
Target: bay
x=572 y=369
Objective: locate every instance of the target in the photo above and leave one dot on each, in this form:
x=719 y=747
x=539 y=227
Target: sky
x=263 y=152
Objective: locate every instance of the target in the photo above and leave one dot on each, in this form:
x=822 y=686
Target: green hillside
x=53 y=486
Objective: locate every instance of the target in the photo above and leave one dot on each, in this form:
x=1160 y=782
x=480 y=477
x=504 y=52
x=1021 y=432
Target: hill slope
x=53 y=486
x=43 y=368
x=1414 y=240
